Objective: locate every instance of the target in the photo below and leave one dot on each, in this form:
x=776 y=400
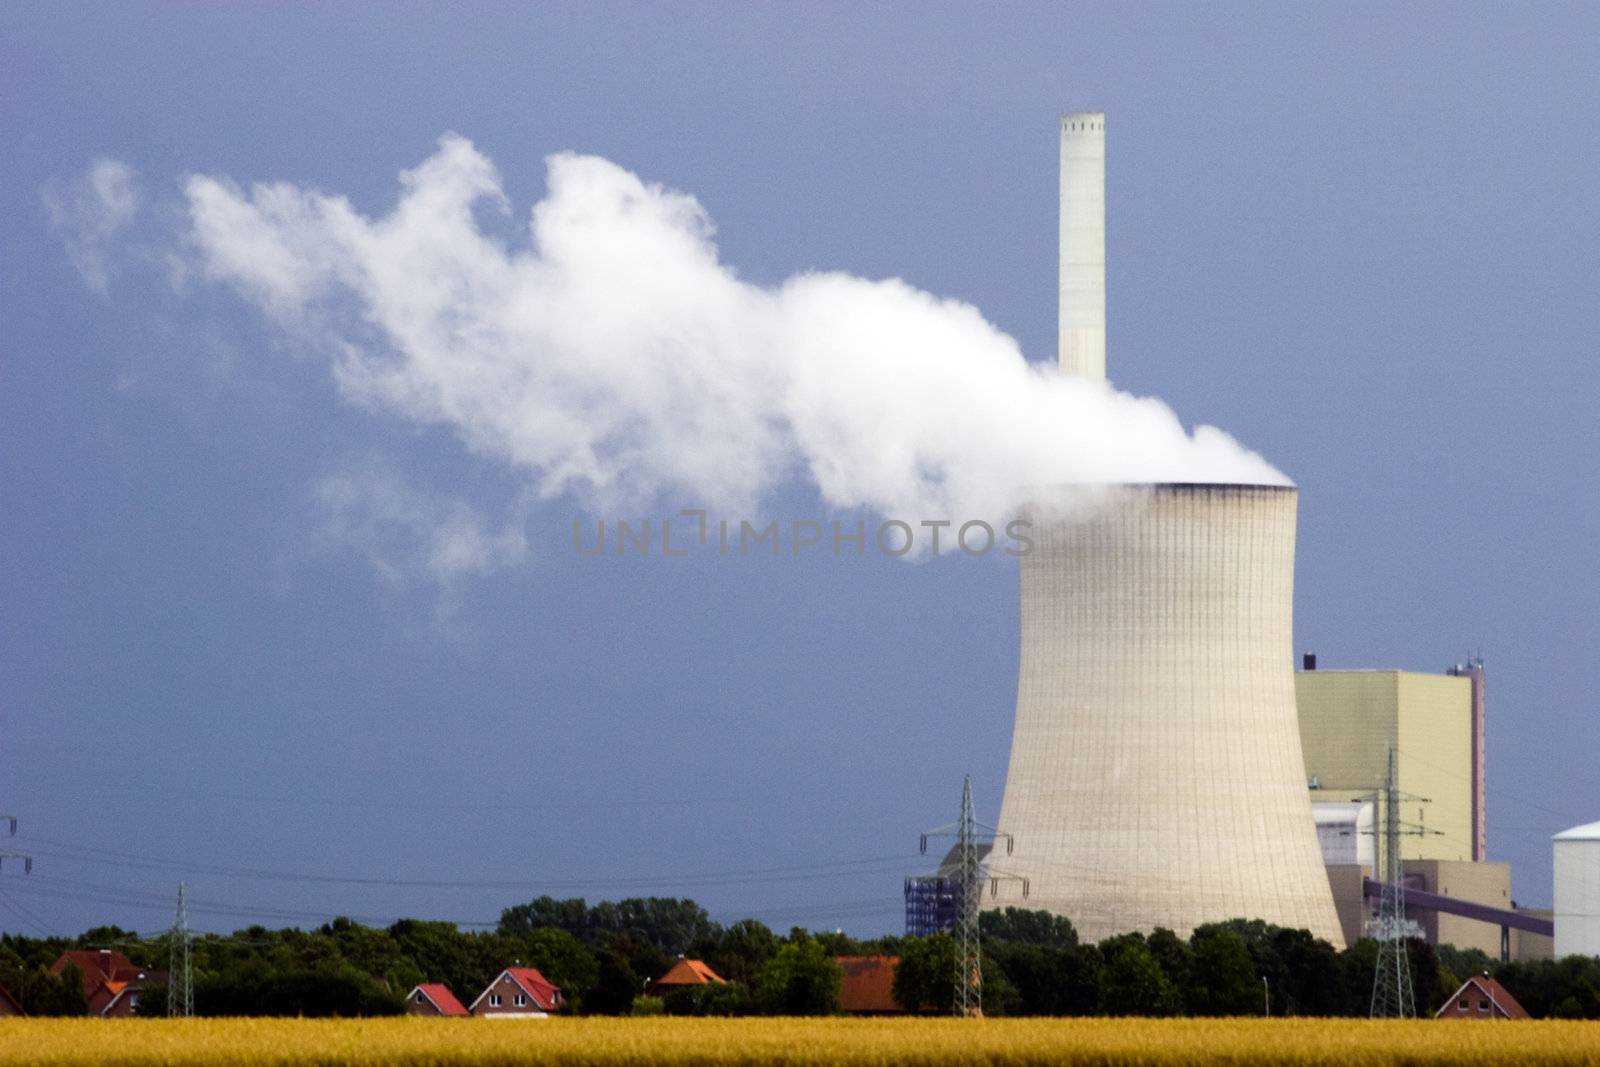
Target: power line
x=25 y=915
x=698 y=879
x=1498 y=793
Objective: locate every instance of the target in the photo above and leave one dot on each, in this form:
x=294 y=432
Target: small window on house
x=1462 y=1006
x=1483 y=1005
x=520 y=1000
x=494 y=1000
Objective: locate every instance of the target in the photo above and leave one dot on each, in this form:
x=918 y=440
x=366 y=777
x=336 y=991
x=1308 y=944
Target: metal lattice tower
x=1393 y=995
x=5 y=854
x=180 y=964
x=969 y=958
x=969 y=835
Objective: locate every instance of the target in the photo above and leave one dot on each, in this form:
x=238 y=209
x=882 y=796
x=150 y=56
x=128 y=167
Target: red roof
x=540 y=989
x=1483 y=997
x=97 y=965
x=868 y=983
x=441 y=998
x=106 y=973
x=686 y=973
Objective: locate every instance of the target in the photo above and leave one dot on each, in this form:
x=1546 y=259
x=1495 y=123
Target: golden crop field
x=822 y=1042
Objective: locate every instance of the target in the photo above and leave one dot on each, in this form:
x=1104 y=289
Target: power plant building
x=1156 y=777
x=1349 y=720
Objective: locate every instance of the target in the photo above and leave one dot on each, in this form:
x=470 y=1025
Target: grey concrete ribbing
x=1156 y=775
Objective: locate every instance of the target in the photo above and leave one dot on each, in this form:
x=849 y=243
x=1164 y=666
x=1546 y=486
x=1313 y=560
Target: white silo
x=1577 y=890
x=1156 y=776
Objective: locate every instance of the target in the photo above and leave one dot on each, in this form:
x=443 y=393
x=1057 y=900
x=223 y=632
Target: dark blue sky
x=1365 y=242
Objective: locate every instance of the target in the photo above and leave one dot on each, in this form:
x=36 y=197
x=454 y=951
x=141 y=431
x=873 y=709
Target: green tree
x=1307 y=981
x=647 y=961
x=713 y=998
x=1172 y=953
x=43 y=993
x=1222 y=978
x=1356 y=965
x=1424 y=973
x=442 y=954
x=1132 y=983
x=923 y=979
x=561 y=958
x=616 y=986
x=1047 y=981
x=742 y=951
x=571 y=915
x=1568 y=988
x=1449 y=982
x=800 y=979
x=1027 y=927
x=327 y=989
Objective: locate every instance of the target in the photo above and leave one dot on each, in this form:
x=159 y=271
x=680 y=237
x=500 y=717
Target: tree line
x=602 y=955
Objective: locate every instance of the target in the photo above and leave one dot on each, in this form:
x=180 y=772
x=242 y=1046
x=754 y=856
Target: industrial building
x=1577 y=890
x=1350 y=720
x=934 y=901
x=1156 y=777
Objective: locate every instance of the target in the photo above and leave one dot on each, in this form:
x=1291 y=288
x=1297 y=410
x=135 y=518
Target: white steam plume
x=618 y=359
x=90 y=213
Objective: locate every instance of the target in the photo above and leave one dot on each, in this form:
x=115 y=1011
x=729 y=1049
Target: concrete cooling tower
x=1156 y=776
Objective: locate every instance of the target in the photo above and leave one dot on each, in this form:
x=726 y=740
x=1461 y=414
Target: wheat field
x=820 y=1042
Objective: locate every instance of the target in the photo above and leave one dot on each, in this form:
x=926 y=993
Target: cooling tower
x=1156 y=776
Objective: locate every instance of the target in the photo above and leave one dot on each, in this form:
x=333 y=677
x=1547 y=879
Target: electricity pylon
x=968 y=977
x=1393 y=995
x=5 y=854
x=180 y=964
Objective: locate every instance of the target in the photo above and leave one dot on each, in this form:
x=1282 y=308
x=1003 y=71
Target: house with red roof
x=519 y=993
x=112 y=983
x=1481 y=997
x=8 y=1004
x=867 y=985
x=433 y=999
x=685 y=974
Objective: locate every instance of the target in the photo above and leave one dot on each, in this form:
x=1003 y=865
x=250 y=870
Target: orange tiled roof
x=687 y=973
x=868 y=983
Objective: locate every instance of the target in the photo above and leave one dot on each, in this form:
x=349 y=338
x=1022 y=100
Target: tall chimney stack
x=1082 y=323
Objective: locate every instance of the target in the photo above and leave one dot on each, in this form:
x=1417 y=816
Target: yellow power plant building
x=1349 y=721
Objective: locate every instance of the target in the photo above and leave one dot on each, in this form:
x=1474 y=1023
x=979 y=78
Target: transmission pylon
x=180 y=964
x=11 y=854
x=970 y=836
x=1393 y=995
